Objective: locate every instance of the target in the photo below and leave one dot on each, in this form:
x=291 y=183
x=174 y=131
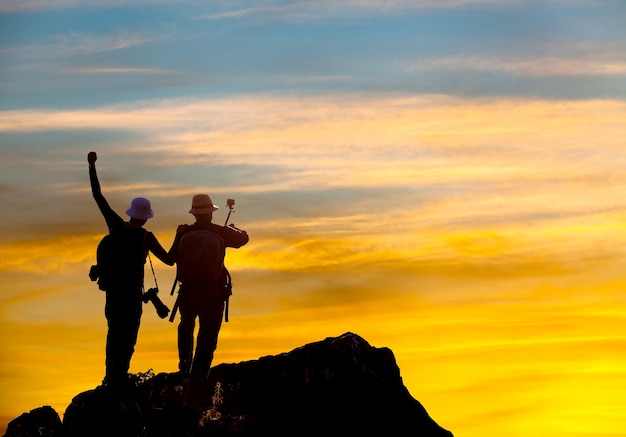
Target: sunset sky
x=446 y=178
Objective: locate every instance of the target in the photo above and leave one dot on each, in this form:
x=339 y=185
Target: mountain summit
x=337 y=386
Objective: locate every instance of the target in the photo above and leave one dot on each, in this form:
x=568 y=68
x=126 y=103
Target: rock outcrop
x=337 y=386
x=43 y=421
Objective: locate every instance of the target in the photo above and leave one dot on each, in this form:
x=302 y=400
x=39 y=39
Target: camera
x=94 y=273
x=230 y=202
x=152 y=296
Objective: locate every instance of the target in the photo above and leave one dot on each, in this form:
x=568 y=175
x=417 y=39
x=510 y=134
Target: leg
x=188 y=314
x=130 y=331
x=123 y=319
x=114 y=316
x=210 y=318
x=210 y=323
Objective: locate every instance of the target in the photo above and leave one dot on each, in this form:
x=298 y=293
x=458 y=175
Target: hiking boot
x=195 y=391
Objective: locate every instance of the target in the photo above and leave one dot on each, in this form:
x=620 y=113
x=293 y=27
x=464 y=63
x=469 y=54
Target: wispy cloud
x=389 y=126
x=529 y=66
x=249 y=112
x=120 y=70
x=365 y=142
x=7 y=6
x=278 y=7
x=79 y=44
x=39 y=257
x=313 y=10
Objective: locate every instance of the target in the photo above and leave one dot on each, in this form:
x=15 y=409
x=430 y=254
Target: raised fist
x=92 y=157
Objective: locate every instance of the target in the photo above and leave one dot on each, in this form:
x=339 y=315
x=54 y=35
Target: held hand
x=91 y=158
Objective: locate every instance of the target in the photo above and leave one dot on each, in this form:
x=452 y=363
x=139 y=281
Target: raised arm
x=111 y=217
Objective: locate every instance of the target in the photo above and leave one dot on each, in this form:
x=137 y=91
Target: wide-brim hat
x=140 y=209
x=202 y=204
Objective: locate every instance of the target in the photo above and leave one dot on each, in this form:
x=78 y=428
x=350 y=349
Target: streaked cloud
x=72 y=44
x=45 y=257
x=314 y=10
x=298 y=119
x=531 y=66
x=8 y=6
x=120 y=70
x=280 y=7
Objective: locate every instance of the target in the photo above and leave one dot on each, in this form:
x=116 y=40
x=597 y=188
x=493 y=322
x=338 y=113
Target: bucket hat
x=140 y=209
x=202 y=204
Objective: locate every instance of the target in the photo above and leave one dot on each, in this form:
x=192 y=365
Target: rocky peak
x=337 y=386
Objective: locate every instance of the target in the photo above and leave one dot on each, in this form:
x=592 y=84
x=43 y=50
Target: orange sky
x=482 y=240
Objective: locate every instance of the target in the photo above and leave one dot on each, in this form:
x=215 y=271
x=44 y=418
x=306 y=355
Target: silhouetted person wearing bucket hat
x=123 y=306
x=201 y=297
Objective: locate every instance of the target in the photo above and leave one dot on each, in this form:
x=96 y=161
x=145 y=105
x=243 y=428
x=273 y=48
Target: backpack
x=201 y=258
x=120 y=258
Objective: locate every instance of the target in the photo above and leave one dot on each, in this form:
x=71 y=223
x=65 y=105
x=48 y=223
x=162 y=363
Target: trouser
x=123 y=313
x=206 y=305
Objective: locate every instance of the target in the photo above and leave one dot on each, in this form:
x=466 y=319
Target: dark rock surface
x=42 y=421
x=337 y=386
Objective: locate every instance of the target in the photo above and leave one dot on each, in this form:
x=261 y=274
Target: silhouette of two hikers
x=120 y=275
x=198 y=250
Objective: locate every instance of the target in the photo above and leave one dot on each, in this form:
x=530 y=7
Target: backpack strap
x=228 y=291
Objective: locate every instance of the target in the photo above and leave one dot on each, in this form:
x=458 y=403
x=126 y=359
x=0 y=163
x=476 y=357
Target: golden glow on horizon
x=46 y=256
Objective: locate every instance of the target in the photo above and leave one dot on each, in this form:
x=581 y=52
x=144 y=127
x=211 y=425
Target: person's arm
x=234 y=237
x=173 y=252
x=153 y=245
x=110 y=216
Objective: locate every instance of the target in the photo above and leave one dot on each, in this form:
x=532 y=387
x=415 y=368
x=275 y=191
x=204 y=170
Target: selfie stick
x=230 y=203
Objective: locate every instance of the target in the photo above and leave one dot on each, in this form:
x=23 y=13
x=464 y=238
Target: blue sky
x=445 y=178
x=97 y=56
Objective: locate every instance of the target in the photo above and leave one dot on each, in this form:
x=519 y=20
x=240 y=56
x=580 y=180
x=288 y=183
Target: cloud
x=527 y=66
x=276 y=120
x=280 y=8
x=315 y=10
x=11 y=6
x=440 y=145
x=80 y=44
x=119 y=70
x=42 y=257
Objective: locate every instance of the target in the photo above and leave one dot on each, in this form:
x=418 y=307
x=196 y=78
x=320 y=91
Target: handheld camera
x=230 y=203
x=152 y=296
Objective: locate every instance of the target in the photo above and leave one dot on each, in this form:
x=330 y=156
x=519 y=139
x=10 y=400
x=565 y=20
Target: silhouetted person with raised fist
x=121 y=276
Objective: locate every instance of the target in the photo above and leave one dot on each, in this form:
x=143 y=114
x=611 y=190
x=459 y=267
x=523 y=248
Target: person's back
x=203 y=292
x=120 y=258
x=201 y=257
